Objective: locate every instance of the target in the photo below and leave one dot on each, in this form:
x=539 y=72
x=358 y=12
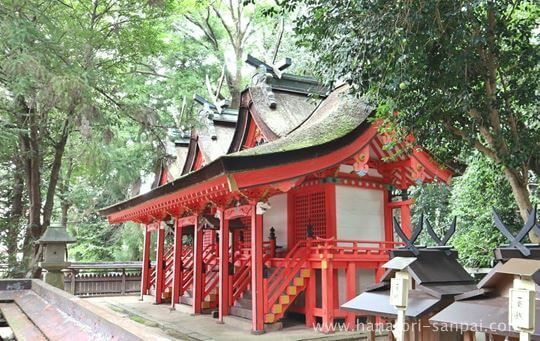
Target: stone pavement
x=162 y=323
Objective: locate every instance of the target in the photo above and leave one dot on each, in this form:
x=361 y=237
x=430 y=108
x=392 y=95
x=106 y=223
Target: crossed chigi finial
x=516 y=241
x=409 y=242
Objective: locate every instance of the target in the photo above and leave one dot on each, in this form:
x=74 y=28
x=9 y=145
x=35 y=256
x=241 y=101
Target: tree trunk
x=15 y=214
x=59 y=148
x=234 y=82
x=29 y=143
x=55 y=173
x=63 y=189
x=522 y=197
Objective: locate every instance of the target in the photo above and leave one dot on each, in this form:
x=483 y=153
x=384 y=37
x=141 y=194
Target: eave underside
x=257 y=177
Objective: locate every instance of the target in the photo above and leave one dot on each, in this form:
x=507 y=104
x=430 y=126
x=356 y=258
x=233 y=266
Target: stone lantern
x=54 y=242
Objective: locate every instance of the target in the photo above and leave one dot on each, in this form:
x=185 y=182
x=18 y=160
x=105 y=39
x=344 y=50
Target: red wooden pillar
x=310 y=297
x=145 y=276
x=350 y=319
x=406 y=218
x=257 y=280
x=327 y=295
x=379 y=272
x=177 y=265
x=159 y=264
x=223 y=266
x=388 y=219
x=197 y=267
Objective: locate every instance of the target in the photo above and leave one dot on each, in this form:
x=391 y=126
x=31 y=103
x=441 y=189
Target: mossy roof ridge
x=292 y=109
x=339 y=114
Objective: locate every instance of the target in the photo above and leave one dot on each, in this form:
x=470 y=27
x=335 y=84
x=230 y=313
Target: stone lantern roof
x=56 y=234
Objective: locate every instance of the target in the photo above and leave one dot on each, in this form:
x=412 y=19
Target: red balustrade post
x=327 y=289
x=198 y=275
x=379 y=272
x=272 y=243
x=223 y=266
x=257 y=281
x=159 y=264
x=145 y=275
x=350 y=319
x=177 y=266
x=311 y=296
x=406 y=218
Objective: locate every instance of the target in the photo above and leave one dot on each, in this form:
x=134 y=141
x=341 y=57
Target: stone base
x=54 y=278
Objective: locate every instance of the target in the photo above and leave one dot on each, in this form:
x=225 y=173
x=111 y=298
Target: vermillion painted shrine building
x=284 y=205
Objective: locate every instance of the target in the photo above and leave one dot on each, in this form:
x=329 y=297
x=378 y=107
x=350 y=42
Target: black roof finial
x=409 y=242
x=516 y=241
x=449 y=233
x=275 y=69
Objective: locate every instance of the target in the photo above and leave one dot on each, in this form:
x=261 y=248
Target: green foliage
x=470 y=198
x=463 y=75
x=481 y=187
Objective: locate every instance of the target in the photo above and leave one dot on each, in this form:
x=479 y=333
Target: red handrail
x=282 y=277
x=241 y=277
x=211 y=275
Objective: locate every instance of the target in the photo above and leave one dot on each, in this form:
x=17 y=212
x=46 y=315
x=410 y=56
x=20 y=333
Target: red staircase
x=153 y=273
x=286 y=283
x=211 y=276
x=187 y=268
x=168 y=271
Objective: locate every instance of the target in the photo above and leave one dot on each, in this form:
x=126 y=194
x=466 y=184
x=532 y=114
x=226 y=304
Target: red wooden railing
x=281 y=277
x=355 y=248
x=211 y=276
x=311 y=250
x=153 y=274
x=168 y=267
x=187 y=267
x=241 y=277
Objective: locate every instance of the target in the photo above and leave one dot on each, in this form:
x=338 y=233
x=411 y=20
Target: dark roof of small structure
x=486 y=308
x=438 y=277
x=337 y=122
x=488 y=315
x=436 y=270
x=504 y=253
x=378 y=303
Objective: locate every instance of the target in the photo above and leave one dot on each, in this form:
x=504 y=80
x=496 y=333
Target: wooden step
x=243 y=302
x=284 y=299
x=241 y=312
x=305 y=273
x=298 y=281
x=277 y=308
x=269 y=318
x=291 y=290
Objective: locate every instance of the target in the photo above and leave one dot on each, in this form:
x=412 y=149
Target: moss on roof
x=336 y=116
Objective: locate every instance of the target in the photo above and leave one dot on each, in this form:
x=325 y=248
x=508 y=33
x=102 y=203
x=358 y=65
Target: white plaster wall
x=359 y=213
x=277 y=217
x=364 y=279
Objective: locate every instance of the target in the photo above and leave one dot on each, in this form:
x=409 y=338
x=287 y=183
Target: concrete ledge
x=96 y=322
x=101 y=323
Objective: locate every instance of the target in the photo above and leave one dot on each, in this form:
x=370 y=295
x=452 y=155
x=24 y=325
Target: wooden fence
x=101 y=279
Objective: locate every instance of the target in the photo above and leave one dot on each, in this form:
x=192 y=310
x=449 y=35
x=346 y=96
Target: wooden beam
x=350 y=320
x=145 y=276
x=177 y=266
x=327 y=290
x=159 y=264
x=223 y=266
x=257 y=281
x=198 y=274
